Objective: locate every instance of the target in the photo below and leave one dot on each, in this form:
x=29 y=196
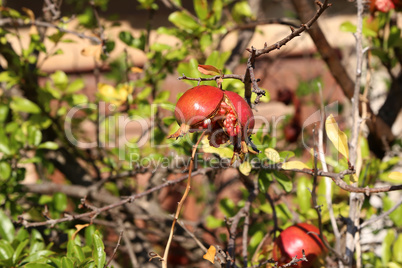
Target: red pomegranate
x=295 y=238
x=224 y=115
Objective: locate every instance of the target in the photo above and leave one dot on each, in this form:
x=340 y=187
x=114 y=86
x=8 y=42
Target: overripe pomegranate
x=224 y=115
x=295 y=238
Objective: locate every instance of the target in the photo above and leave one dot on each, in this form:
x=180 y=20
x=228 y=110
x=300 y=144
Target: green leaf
x=7 y=229
x=34 y=136
x=49 y=145
x=256 y=239
x=19 y=104
x=241 y=10
x=396 y=215
x=347 y=26
x=303 y=194
x=98 y=252
x=3 y=112
x=60 y=79
x=22 y=234
x=205 y=41
x=284 y=181
x=213 y=222
x=21 y=246
x=184 y=21
x=67 y=263
x=6 y=250
x=4 y=143
x=162 y=97
x=75 y=86
x=60 y=202
x=5 y=170
x=201 y=8
x=264 y=180
x=397 y=249
x=217 y=7
x=38 y=265
x=38 y=255
x=78 y=253
x=386 y=247
x=36 y=242
x=89 y=232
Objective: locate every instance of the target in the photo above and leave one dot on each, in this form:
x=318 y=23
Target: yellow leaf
x=336 y=136
x=294 y=165
x=208 y=70
x=245 y=168
x=272 y=155
x=111 y=94
x=137 y=70
x=93 y=51
x=395 y=176
x=210 y=255
x=354 y=178
x=79 y=227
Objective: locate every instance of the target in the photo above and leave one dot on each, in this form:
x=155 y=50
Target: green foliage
x=37 y=129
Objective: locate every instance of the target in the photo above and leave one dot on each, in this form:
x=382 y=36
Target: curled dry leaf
x=79 y=227
x=209 y=70
x=210 y=255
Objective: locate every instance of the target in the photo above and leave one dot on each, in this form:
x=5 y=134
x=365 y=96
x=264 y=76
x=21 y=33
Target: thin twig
x=383 y=215
x=354 y=200
x=21 y=22
x=180 y=204
x=115 y=249
x=90 y=214
x=328 y=184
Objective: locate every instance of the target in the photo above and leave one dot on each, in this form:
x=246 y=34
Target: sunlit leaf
x=396 y=176
x=208 y=70
x=93 y=51
x=272 y=155
x=136 y=70
x=354 y=178
x=294 y=165
x=245 y=168
x=210 y=255
x=336 y=136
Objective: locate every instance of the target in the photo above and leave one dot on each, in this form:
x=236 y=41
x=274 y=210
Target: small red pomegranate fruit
x=293 y=240
x=224 y=115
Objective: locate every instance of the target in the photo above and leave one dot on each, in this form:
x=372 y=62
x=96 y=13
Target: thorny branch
x=249 y=79
x=93 y=214
x=254 y=53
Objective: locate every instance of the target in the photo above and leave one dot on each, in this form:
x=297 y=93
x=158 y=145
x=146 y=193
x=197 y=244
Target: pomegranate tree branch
x=22 y=23
x=318 y=207
x=254 y=53
x=295 y=32
x=214 y=78
x=234 y=222
x=380 y=131
x=52 y=188
x=337 y=178
x=180 y=204
x=383 y=215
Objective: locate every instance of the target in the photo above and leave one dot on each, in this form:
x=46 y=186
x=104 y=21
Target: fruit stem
x=180 y=204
